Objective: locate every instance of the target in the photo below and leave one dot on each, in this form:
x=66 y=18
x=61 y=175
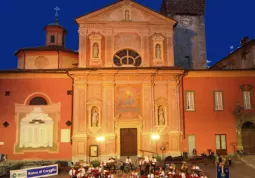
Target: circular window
x=127 y=57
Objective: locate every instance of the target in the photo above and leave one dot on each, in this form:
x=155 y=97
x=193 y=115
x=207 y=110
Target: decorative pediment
x=94 y=102
x=161 y=100
x=128 y=116
x=125 y=11
x=36 y=116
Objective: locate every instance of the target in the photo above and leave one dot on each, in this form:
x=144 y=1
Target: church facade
x=121 y=95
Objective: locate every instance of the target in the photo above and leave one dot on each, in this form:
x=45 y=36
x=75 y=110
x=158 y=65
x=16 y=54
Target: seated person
x=195 y=167
x=203 y=175
x=150 y=175
x=82 y=170
x=184 y=165
x=194 y=174
x=72 y=173
x=80 y=174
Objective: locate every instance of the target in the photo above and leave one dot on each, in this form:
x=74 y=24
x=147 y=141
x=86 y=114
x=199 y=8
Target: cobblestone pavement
x=239 y=169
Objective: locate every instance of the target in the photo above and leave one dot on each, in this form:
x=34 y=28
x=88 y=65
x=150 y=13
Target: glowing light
x=100 y=139
x=155 y=137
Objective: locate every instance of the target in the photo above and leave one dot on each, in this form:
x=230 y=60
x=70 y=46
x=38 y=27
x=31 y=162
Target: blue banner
x=222 y=172
x=36 y=172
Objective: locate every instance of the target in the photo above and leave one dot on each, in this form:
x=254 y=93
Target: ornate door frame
x=124 y=123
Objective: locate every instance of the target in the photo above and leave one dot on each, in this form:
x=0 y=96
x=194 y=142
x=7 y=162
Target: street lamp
x=155 y=137
x=100 y=139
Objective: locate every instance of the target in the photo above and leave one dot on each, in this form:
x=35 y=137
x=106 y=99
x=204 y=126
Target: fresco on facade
x=127 y=98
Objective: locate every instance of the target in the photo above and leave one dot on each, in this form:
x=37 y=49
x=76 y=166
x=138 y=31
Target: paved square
x=241 y=168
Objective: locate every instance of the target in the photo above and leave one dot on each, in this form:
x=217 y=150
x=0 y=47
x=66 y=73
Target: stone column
x=79 y=137
x=83 y=48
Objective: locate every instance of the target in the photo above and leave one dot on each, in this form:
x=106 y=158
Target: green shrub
x=158 y=158
x=95 y=163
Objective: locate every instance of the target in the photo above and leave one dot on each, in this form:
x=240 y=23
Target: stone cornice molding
x=221 y=73
x=124 y=25
x=51 y=108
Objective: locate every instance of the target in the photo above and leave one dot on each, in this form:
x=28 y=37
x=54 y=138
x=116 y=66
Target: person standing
x=129 y=162
x=153 y=163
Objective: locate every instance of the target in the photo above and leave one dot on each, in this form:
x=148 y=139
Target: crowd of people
x=147 y=168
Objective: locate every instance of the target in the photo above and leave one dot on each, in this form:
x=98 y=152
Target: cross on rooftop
x=56 y=9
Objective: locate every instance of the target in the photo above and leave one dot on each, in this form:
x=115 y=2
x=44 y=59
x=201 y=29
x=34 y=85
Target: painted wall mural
x=128 y=98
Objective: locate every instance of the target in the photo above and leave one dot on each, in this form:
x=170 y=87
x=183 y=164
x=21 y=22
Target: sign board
x=222 y=172
x=36 y=172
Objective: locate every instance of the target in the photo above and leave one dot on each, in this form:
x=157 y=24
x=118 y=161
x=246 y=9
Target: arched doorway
x=248 y=137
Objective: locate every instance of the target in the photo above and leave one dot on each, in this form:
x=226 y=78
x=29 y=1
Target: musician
x=172 y=167
x=195 y=167
x=82 y=170
x=153 y=163
x=161 y=172
x=184 y=166
x=147 y=165
x=80 y=174
x=72 y=173
x=194 y=174
x=178 y=174
x=129 y=162
x=203 y=175
x=151 y=175
x=141 y=164
x=171 y=172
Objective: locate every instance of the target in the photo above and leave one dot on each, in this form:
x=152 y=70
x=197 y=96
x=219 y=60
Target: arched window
x=127 y=57
x=38 y=101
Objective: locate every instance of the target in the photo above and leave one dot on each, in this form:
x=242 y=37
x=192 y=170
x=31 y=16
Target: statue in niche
x=127 y=15
x=158 y=51
x=94 y=117
x=95 y=50
x=161 y=115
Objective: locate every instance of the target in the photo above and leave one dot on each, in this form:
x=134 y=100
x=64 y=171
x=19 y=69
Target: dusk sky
x=23 y=21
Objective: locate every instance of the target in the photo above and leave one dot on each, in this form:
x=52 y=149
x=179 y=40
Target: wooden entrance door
x=221 y=144
x=128 y=142
x=248 y=137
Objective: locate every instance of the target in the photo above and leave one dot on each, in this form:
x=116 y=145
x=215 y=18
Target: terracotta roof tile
x=192 y=7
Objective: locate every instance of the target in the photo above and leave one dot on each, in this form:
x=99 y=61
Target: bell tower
x=55 y=33
x=189 y=34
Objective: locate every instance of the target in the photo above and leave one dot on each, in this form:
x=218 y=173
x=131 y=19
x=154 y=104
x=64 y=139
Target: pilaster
x=173 y=104
x=109 y=47
x=147 y=103
x=79 y=138
x=82 y=48
x=108 y=106
x=170 y=49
